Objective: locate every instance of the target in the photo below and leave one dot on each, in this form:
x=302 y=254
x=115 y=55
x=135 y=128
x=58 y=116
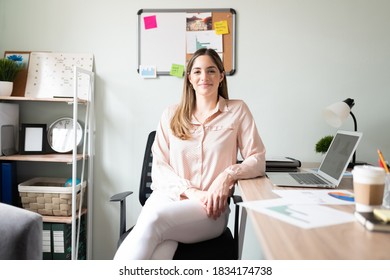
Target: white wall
x=294 y=57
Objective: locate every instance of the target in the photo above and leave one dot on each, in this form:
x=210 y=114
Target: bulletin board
x=168 y=37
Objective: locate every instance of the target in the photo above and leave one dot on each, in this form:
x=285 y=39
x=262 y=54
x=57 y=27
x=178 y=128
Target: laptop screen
x=339 y=153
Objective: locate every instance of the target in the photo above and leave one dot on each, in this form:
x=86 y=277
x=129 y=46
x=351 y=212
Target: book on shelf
x=8 y=185
x=282 y=164
x=57 y=240
x=372 y=222
x=47 y=242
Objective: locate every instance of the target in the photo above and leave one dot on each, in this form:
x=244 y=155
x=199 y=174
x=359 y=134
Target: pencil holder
x=386 y=193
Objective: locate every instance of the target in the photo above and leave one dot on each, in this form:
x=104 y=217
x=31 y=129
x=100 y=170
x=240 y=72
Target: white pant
x=163 y=223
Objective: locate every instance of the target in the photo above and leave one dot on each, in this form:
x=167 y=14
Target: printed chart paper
x=317 y=196
x=204 y=39
x=301 y=215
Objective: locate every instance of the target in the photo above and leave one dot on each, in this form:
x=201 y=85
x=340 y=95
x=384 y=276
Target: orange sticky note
x=221 y=27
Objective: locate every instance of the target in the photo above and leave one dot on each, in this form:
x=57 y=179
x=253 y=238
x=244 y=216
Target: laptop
x=332 y=167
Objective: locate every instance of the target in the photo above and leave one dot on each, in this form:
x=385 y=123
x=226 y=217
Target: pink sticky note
x=150 y=22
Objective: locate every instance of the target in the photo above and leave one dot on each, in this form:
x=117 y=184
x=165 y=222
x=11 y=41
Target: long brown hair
x=181 y=120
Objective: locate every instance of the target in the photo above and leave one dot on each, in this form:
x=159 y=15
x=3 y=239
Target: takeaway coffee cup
x=368 y=186
x=386 y=193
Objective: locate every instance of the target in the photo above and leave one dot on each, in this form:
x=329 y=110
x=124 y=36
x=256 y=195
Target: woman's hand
x=195 y=194
x=216 y=199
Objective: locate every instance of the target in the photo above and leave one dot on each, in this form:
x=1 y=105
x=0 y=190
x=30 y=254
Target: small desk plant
x=8 y=71
x=323 y=144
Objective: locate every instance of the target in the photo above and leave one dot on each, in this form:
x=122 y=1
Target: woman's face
x=205 y=76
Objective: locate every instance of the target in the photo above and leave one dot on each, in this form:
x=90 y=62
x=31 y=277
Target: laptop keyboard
x=307 y=178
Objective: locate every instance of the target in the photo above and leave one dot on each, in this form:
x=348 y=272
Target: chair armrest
x=120 y=196
x=237 y=199
x=237 y=221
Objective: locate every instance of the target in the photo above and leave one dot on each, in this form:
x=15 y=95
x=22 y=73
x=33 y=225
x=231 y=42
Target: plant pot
x=6 y=88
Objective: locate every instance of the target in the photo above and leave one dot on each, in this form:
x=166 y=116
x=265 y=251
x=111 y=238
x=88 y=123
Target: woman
x=195 y=164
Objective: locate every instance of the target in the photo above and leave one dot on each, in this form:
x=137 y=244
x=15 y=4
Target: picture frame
x=32 y=139
x=22 y=58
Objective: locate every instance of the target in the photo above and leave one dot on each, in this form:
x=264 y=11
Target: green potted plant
x=8 y=71
x=323 y=144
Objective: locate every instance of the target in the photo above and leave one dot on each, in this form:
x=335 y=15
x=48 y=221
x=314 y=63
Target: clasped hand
x=215 y=198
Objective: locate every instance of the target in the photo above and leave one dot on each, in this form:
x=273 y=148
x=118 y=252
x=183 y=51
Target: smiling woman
x=205 y=81
x=195 y=165
x=205 y=78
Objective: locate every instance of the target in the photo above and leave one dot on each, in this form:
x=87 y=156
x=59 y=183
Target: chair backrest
x=146 y=175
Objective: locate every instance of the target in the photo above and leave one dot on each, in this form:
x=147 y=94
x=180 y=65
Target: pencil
x=383 y=161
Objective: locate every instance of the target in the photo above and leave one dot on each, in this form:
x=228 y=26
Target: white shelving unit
x=87 y=154
x=87 y=150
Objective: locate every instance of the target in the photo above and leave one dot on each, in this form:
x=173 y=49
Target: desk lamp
x=337 y=113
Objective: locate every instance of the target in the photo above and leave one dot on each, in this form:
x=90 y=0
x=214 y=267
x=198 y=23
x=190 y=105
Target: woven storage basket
x=48 y=196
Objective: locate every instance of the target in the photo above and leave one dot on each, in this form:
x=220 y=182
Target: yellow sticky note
x=221 y=27
x=177 y=70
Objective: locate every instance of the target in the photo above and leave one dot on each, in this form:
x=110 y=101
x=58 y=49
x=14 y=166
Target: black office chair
x=224 y=247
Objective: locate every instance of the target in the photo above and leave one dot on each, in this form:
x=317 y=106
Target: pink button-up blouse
x=213 y=148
